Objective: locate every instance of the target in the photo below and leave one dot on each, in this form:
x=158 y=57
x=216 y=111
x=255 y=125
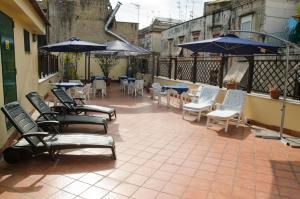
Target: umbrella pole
x=285 y=94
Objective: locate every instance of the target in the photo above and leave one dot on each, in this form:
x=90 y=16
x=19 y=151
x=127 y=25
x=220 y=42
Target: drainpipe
x=109 y=21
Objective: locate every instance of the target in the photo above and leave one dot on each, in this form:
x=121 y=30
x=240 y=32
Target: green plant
x=298 y=9
x=70 y=66
x=106 y=63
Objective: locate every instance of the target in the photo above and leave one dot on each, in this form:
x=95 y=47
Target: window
x=246 y=24
x=26 y=41
x=180 y=39
x=48 y=64
x=196 y=35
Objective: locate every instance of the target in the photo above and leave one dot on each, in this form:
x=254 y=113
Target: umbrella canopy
x=124 y=49
x=231 y=44
x=74 y=45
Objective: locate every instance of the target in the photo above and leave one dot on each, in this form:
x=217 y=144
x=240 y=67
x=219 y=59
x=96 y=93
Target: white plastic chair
x=84 y=92
x=72 y=91
x=124 y=84
x=171 y=94
x=204 y=102
x=137 y=86
x=99 y=86
x=232 y=107
x=156 y=90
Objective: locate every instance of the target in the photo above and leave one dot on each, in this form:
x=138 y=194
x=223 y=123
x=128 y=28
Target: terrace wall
x=258 y=108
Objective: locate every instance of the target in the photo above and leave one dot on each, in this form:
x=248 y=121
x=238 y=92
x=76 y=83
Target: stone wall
x=86 y=19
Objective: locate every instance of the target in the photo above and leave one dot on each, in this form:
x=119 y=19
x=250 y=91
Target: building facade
x=268 y=16
x=20 y=21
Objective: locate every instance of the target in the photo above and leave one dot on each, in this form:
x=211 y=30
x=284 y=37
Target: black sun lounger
x=73 y=106
x=46 y=113
x=34 y=141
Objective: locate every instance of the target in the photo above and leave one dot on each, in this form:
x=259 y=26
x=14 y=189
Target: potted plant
x=274 y=91
x=106 y=62
x=231 y=83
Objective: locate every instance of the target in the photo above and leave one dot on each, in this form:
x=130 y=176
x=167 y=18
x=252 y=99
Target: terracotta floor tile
x=174 y=189
x=144 y=193
x=76 y=187
x=162 y=175
x=154 y=184
x=94 y=193
x=136 y=179
x=125 y=189
x=113 y=195
x=243 y=193
x=181 y=179
x=146 y=171
x=60 y=182
x=91 y=178
x=166 y=196
x=192 y=193
x=62 y=195
x=107 y=183
x=159 y=155
x=119 y=175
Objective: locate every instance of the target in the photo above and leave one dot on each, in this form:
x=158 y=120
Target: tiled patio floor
x=160 y=155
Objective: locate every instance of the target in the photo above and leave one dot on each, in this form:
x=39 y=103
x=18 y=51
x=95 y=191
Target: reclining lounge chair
x=232 y=107
x=34 y=140
x=72 y=106
x=46 y=113
x=204 y=102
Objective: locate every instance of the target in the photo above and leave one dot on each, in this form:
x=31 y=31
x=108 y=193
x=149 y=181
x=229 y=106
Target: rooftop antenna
x=192 y=11
x=179 y=8
x=138 y=6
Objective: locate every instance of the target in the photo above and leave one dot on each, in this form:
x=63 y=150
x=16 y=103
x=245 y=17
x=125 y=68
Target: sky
x=158 y=8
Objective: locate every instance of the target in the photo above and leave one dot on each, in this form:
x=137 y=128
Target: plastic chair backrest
x=99 y=84
x=40 y=105
x=21 y=121
x=139 y=84
x=234 y=100
x=208 y=94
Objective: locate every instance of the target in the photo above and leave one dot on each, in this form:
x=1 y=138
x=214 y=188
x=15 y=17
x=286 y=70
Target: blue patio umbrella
x=74 y=45
x=230 y=44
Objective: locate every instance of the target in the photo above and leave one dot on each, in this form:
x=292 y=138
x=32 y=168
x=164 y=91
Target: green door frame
x=8 y=63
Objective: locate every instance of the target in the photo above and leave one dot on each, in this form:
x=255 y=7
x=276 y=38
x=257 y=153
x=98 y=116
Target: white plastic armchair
x=137 y=86
x=100 y=86
x=232 y=107
x=84 y=92
x=204 y=102
x=157 y=91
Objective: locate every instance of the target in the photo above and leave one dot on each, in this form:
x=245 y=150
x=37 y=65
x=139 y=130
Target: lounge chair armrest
x=48 y=122
x=81 y=99
x=59 y=109
x=35 y=134
x=49 y=113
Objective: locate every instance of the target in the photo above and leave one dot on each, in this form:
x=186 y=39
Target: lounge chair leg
x=238 y=121
x=226 y=126
x=115 y=114
x=199 y=117
x=113 y=152
x=105 y=128
x=207 y=122
x=109 y=117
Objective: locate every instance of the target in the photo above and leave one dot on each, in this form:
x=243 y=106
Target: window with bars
x=246 y=24
x=26 y=41
x=47 y=64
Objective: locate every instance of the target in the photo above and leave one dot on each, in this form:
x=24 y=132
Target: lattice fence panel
x=271 y=72
x=184 y=69
x=208 y=71
x=164 y=67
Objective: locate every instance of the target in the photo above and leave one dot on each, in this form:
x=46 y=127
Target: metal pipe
x=113 y=14
x=288 y=45
x=287 y=67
